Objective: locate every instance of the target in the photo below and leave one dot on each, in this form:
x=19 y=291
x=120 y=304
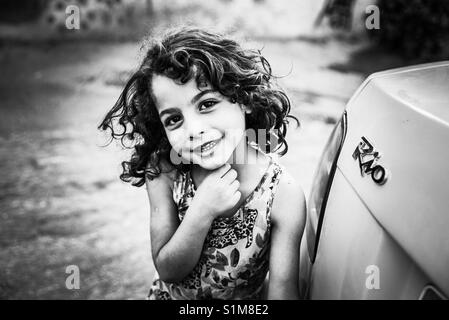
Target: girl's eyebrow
x=194 y=100
x=200 y=94
x=168 y=110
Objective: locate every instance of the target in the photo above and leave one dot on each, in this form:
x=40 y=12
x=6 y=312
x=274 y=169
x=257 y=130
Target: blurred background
x=61 y=201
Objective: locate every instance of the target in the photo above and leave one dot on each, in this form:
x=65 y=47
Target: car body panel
x=352 y=242
x=413 y=205
x=424 y=87
x=402 y=225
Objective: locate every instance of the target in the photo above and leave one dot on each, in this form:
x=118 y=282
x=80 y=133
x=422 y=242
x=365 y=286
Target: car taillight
x=321 y=185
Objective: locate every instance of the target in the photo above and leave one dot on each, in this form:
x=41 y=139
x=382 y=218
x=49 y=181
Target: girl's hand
x=219 y=192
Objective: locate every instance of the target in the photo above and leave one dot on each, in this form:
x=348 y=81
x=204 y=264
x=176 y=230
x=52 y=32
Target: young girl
x=223 y=212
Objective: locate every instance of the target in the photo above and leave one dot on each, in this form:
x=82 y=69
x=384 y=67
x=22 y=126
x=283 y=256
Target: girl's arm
x=288 y=220
x=176 y=247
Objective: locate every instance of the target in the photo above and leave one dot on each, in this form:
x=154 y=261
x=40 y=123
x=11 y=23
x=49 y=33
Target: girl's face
x=202 y=126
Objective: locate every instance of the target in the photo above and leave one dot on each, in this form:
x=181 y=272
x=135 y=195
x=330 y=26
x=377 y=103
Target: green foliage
x=413 y=28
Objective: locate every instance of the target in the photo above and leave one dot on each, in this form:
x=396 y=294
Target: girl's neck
x=254 y=162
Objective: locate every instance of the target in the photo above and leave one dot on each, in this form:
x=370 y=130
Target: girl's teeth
x=208 y=146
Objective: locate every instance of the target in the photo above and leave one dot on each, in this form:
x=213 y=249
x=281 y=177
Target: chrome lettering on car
x=368 y=157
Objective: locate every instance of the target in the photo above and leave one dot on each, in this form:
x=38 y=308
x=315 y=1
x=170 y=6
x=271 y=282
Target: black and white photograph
x=230 y=150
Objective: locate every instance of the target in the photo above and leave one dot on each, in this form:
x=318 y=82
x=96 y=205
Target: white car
x=378 y=214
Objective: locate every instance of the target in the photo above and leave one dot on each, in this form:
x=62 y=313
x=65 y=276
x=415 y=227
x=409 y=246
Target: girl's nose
x=191 y=137
x=195 y=127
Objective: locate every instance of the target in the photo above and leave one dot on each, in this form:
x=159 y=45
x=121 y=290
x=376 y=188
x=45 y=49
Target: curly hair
x=243 y=76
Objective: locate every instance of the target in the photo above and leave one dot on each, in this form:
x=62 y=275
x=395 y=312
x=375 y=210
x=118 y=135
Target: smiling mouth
x=207 y=147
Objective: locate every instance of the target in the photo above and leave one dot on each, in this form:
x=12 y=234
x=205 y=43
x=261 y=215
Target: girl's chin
x=212 y=162
x=211 y=166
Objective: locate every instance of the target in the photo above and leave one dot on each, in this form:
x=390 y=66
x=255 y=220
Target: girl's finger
x=222 y=170
x=236 y=197
x=230 y=176
x=234 y=185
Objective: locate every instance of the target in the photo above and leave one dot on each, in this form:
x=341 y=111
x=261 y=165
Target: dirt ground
x=61 y=201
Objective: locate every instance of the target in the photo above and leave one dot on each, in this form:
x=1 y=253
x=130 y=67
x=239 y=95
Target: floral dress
x=235 y=257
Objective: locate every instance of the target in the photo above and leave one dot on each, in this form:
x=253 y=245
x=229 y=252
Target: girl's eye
x=207 y=105
x=171 y=121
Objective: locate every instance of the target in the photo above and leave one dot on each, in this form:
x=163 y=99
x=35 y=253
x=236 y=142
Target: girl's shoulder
x=168 y=170
x=160 y=188
x=289 y=200
x=167 y=176
x=287 y=184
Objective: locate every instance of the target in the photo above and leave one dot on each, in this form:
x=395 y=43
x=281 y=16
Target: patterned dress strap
x=271 y=183
x=178 y=186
